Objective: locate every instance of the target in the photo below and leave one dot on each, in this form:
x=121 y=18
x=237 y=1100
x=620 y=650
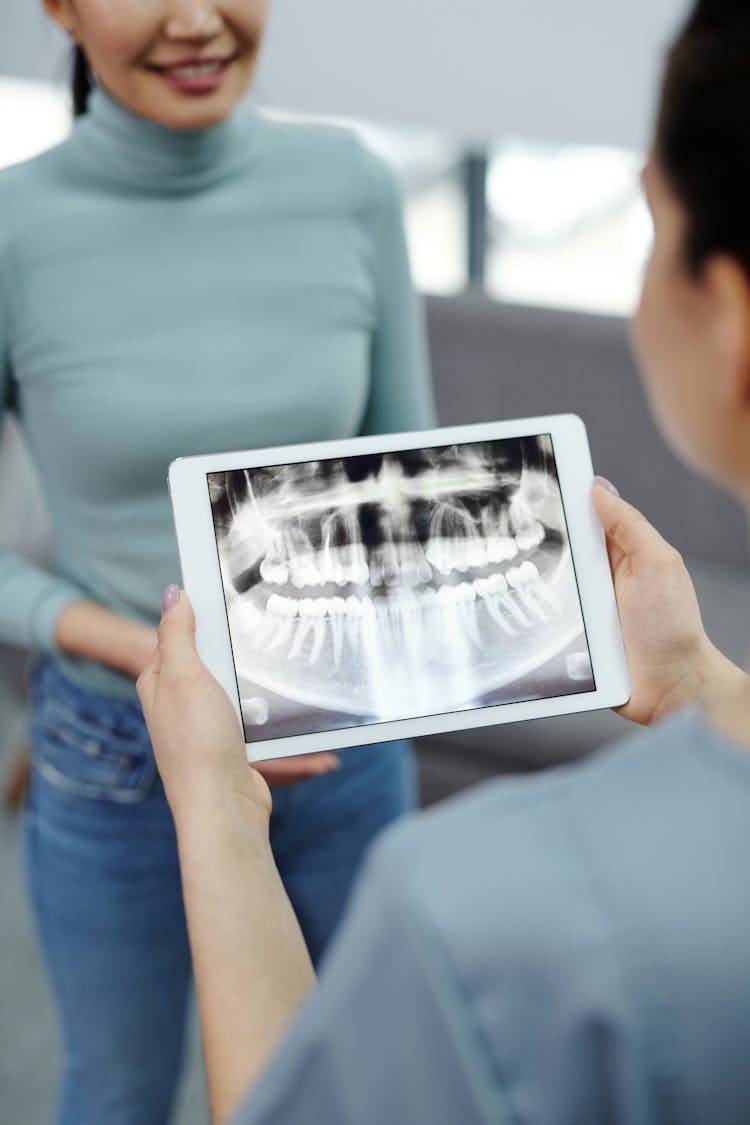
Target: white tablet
x=358 y=591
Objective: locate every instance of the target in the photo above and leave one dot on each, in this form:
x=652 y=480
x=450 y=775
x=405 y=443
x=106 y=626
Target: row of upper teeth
x=195 y=70
x=516 y=578
x=407 y=564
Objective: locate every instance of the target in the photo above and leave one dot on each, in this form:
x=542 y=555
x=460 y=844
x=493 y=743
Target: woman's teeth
x=516 y=601
x=195 y=70
x=390 y=564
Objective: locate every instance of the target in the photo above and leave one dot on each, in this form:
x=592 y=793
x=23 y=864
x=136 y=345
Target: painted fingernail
x=606 y=484
x=170 y=597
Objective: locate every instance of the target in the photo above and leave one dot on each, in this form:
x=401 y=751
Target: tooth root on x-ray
x=353 y=619
x=338 y=610
x=304 y=629
x=319 y=635
x=534 y=608
x=501 y=619
x=283 y=632
x=469 y=615
x=464 y=549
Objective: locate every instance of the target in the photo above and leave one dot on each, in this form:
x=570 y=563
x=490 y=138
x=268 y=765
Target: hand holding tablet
x=382 y=587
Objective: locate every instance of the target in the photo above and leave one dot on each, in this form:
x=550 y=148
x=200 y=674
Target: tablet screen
x=380 y=587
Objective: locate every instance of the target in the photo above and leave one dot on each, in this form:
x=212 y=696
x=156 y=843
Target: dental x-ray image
x=419 y=582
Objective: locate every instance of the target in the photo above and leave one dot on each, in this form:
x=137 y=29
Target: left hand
x=671 y=660
x=196 y=737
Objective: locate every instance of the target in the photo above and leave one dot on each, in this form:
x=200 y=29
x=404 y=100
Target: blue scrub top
x=571 y=948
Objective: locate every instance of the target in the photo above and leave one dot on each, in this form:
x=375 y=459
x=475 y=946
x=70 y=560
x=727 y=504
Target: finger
x=283 y=771
x=299 y=764
x=628 y=531
x=176 y=632
x=614 y=551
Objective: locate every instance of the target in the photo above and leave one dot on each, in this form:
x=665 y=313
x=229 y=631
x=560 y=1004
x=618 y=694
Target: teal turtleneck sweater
x=166 y=293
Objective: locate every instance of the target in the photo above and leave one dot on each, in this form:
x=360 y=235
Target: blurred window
x=34 y=115
x=567 y=226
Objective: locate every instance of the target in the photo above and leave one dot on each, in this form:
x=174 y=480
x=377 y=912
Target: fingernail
x=606 y=484
x=170 y=597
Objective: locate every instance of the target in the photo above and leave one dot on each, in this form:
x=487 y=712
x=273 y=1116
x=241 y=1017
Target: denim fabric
x=103 y=876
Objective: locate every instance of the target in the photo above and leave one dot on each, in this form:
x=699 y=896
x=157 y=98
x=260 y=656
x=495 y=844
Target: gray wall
x=584 y=70
x=30 y=45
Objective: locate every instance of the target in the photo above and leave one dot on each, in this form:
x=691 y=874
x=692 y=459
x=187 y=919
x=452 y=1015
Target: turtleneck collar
x=132 y=149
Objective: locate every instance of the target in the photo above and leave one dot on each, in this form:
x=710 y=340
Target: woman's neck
x=132 y=149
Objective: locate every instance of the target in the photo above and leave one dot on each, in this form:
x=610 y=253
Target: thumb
x=176 y=632
x=629 y=534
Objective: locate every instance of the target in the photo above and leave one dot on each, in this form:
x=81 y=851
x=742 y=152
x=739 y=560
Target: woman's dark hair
x=81 y=82
x=702 y=137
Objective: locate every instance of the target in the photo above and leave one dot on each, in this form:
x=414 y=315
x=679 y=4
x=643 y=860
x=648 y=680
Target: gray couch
x=497 y=361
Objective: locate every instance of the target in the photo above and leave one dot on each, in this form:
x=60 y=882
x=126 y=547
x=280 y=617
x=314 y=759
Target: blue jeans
x=104 y=882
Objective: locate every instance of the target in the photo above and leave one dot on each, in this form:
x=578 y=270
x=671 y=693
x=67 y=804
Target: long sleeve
x=386 y=1037
x=401 y=396
x=31 y=599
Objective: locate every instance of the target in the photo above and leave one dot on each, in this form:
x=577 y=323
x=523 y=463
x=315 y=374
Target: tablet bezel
x=201 y=577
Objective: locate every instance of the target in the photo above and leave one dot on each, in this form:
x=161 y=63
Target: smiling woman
x=193 y=279
x=184 y=65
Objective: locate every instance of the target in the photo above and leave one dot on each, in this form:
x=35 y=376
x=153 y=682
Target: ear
x=729 y=287
x=62 y=13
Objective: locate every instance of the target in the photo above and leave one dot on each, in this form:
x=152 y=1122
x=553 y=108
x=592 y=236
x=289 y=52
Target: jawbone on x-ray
x=408 y=583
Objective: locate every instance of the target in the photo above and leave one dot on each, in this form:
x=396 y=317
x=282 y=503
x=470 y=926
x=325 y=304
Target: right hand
x=194 y=730
x=671 y=660
x=95 y=632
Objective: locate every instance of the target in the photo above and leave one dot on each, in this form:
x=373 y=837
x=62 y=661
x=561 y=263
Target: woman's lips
x=194 y=76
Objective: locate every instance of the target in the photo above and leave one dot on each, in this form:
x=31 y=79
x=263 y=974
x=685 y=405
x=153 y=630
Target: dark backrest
x=492 y=360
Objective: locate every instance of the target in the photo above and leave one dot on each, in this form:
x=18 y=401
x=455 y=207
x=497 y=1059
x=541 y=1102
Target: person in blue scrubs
x=564 y=949
x=175 y=278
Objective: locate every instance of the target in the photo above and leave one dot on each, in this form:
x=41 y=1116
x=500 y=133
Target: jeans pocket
x=88 y=744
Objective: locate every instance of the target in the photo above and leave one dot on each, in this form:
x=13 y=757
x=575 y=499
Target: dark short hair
x=702 y=140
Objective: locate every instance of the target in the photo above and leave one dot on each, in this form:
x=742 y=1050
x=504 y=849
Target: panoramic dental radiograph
x=424 y=581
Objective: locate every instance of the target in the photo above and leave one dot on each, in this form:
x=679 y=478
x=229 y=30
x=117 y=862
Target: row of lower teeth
x=516 y=602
